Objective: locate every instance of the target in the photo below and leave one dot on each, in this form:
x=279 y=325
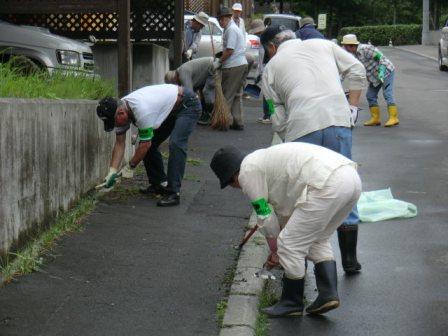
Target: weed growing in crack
x=267 y=299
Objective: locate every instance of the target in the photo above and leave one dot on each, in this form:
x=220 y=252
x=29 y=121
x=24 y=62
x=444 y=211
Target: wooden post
x=124 y=48
x=178 y=33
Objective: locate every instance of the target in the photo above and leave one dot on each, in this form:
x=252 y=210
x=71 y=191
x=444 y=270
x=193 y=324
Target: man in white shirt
x=301 y=83
x=237 y=10
x=234 y=66
x=159 y=112
x=301 y=194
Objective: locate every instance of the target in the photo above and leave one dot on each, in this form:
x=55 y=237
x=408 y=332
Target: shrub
x=380 y=35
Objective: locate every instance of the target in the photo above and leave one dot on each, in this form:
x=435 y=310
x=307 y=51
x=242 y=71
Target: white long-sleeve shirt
x=303 y=88
x=276 y=179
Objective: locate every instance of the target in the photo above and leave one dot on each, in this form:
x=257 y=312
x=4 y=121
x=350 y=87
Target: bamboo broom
x=221 y=118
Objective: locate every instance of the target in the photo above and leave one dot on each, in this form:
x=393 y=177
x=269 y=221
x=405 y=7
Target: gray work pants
x=233 y=80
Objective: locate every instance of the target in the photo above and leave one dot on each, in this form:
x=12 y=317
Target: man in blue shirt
x=308 y=29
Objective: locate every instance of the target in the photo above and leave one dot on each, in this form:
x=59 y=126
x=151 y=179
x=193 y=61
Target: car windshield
x=281 y=21
x=216 y=31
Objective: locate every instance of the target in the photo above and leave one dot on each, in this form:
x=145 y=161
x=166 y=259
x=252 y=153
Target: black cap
x=270 y=33
x=226 y=163
x=106 y=112
x=224 y=11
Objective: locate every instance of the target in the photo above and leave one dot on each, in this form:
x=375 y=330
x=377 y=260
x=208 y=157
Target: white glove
x=127 y=171
x=189 y=53
x=109 y=180
x=217 y=64
x=353 y=114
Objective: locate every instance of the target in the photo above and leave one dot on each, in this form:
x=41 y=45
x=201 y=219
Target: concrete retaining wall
x=149 y=62
x=51 y=152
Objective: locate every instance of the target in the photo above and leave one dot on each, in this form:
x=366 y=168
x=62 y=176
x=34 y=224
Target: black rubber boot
x=291 y=302
x=348 y=238
x=327 y=287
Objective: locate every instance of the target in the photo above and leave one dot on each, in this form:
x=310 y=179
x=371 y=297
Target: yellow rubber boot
x=393 y=116
x=375 y=117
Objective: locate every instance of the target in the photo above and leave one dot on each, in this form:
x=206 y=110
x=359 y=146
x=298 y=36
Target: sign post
x=322 y=21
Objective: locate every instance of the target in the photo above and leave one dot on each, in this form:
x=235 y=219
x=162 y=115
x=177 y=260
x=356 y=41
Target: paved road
x=138 y=269
x=403 y=289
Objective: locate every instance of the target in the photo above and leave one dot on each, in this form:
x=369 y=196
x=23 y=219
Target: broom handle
x=211 y=39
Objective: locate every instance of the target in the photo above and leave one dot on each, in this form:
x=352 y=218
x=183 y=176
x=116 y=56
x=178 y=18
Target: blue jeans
x=388 y=91
x=178 y=126
x=338 y=139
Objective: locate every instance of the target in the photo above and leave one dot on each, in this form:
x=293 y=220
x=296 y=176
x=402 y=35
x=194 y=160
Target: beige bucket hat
x=350 y=39
x=256 y=27
x=202 y=18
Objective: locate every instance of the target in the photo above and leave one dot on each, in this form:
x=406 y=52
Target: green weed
x=29 y=258
x=221 y=307
x=51 y=86
x=267 y=299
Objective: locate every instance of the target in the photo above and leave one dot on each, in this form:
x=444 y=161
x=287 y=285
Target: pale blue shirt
x=233 y=38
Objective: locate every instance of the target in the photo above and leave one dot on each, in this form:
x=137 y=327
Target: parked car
x=46 y=50
x=289 y=21
x=214 y=33
x=443 y=48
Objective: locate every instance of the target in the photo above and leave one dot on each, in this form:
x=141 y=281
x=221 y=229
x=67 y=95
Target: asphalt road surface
x=138 y=269
x=403 y=287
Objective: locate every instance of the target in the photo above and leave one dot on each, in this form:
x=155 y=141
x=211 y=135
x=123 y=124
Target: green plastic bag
x=379 y=205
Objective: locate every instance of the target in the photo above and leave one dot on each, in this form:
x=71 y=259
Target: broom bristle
x=221 y=117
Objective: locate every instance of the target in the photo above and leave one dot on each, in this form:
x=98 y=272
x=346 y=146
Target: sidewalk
x=421 y=50
x=138 y=269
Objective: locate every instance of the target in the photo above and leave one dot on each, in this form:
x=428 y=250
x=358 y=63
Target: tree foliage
x=343 y=13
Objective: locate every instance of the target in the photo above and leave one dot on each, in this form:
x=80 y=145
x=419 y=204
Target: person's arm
x=353 y=71
x=196 y=41
x=118 y=151
x=253 y=184
x=276 y=106
x=226 y=54
x=140 y=153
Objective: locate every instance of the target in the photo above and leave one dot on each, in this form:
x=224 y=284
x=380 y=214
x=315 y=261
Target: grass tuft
x=221 y=307
x=58 y=85
x=29 y=258
x=267 y=299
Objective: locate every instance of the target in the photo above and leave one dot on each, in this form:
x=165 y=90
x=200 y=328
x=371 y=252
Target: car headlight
x=70 y=58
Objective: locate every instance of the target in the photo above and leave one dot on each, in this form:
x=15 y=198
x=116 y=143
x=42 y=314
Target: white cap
x=237 y=7
x=350 y=39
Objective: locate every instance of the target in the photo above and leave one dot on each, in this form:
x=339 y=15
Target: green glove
x=381 y=72
x=111 y=178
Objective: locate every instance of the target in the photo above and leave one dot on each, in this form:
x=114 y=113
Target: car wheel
x=442 y=67
x=23 y=65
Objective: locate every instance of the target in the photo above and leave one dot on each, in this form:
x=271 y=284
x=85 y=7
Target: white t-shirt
x=233 y=39
x=151 y=105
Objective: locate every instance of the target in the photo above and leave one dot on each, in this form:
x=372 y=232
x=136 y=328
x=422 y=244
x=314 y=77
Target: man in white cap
x=237 y=10
x=234 y=66
x=315 y=189
x=309 y=104
x=380 y=74
x=192 y=35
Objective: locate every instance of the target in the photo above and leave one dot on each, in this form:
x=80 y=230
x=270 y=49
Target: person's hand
x=127 y=171
x=272 y=261
x=189 y=53
x=353 y=114
x=110 y=179
x=217 y=64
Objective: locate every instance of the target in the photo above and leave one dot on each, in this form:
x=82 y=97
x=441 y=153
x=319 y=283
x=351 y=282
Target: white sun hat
x=350 y=39
x=202 y=18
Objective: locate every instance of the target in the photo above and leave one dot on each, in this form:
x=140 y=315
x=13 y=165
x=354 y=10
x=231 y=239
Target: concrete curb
x=242 y=307
x=416 y=53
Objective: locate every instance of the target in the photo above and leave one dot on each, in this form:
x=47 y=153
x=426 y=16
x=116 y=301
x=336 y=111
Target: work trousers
x=388 y=91
x=338 y=139
x=233 y=80
x=307 y=232
x=178 y=127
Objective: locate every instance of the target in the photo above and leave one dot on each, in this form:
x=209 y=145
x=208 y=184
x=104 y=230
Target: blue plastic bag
x=379 y=205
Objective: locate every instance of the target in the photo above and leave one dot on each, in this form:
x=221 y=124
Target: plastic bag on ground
x=379 y=205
